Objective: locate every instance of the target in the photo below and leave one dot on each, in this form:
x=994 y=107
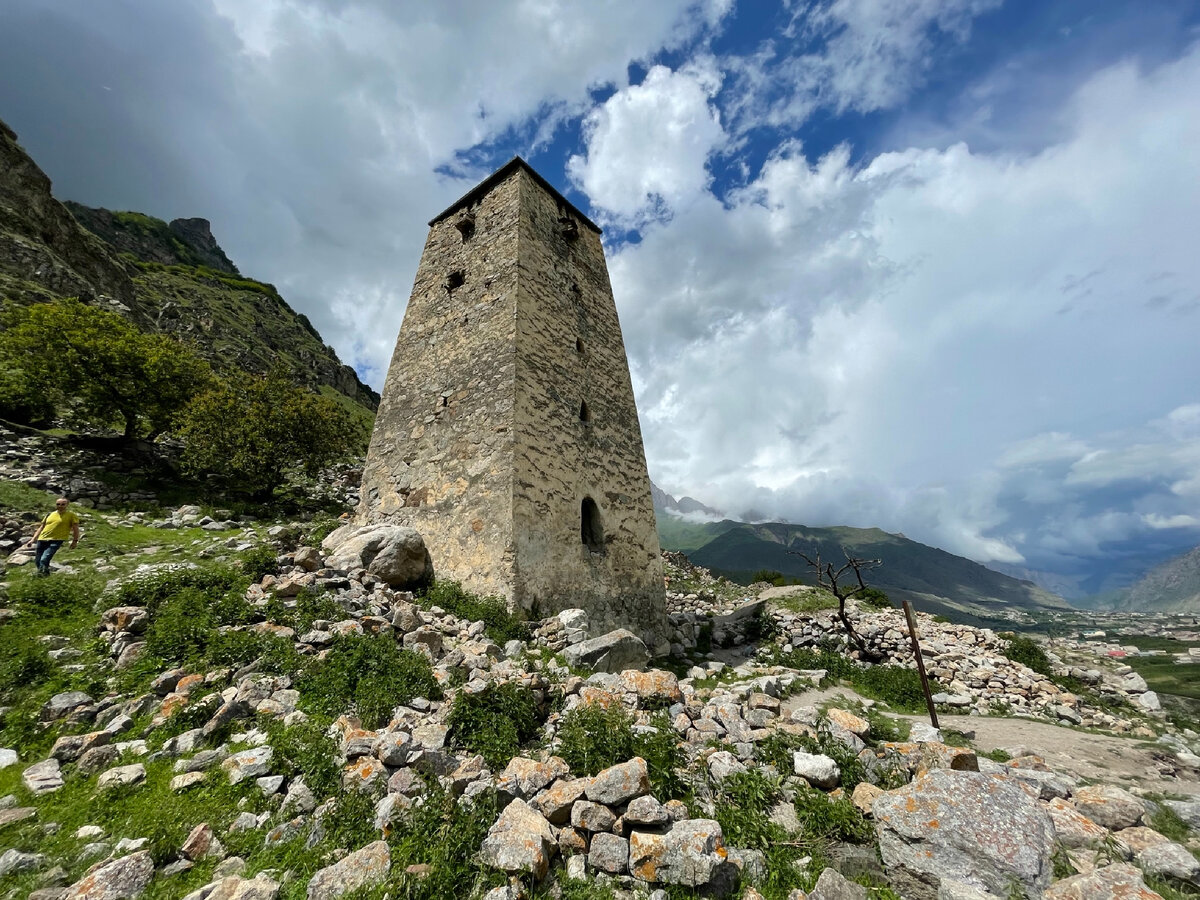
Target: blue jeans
x=43 y=553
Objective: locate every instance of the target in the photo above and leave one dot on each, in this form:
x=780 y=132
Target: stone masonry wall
x=479 y=442
x=570 y=353
x=441 y=454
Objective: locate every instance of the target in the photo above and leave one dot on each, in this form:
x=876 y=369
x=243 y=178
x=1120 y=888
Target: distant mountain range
x=1170 y=587
x=934 y=580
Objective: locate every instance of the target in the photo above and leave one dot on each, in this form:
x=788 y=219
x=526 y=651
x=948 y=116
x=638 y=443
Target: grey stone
x=43 y=777
x=1119 y=881
x=1110 y=806
x=122 y=776
x=121 y=878
x=592 y=816
x=832 y=885
x=722 y=764
x=646 y=811
x=620 y=783
x=691 y=853
x=1188 y=810
x=251 y=763
x=608 y=853
x=362 y=868
x=613 y=652
x=97 y=759
x=982 y=830
x=393 y=553
x=1170 y=860
x=8 y=758
x=817 y=769
x=520 y=841
x=64 y=704
x=15 y=862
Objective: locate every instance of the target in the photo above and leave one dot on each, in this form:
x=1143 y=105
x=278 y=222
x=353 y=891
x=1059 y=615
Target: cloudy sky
x=927 y=265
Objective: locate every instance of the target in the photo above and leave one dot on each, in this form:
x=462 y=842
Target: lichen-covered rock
x=646 y=811
x=1072 y=827
x=588 y=816
x=609 y=853
x=394 y=554
x=521 y=840
x=1116 y=882
x=652 y=685
x=691 y=853
x=982 y=830
x=832 y=885
x=362 y=868
x=524 y=777
x=251 y=763
x=1170 y=860
x=620 y=783
x=1110 y=806
x=234 y=887
x=121 y=878
x=615 y=651
x=555 y=803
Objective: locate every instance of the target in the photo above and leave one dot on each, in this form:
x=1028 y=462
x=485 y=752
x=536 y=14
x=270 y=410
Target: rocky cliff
x=172 y=278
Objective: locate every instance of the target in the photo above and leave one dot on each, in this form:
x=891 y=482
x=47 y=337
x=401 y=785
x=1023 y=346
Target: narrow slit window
x=585 y=414
x=579 y=345
x=591 y=530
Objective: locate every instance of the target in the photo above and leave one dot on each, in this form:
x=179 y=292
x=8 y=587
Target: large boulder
x=613 y=652
x=986 y=831
x=361 y=868
x=691 y=853
x=116 y=880
x=1116 y=882
x=521 y=841
x=393 y=553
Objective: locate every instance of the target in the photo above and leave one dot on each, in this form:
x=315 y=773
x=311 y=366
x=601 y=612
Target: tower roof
x=499 y=175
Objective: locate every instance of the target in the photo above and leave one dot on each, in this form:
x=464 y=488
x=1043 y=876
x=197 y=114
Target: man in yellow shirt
x=53 y=532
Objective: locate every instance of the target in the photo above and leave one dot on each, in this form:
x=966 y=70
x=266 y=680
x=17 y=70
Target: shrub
x=54 y=596
x=495 y=722
x=835 y=820
x=896 y=686
x=182 y=628
x=502 y=626
x=875 y=598
x=1027 y=652
x=305 y=750
x=369 y=672
x=22 y=663
x=592 y=738
x=350 y=820
x=445 y=836
x=259 y=561
x=149 y=589
x=742 y=805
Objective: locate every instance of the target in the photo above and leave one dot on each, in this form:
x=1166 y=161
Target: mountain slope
x=934 y=580
x=1173 y=586
x=171 y=278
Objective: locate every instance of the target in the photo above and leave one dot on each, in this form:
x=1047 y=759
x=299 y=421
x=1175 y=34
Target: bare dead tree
x=829 y=578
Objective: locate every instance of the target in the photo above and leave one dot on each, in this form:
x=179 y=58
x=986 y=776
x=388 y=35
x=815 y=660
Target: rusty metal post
x=916 y=645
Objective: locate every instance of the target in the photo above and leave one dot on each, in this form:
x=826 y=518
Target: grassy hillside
x=934 y=580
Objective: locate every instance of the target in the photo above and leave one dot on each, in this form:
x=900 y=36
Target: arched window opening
x=579 y=345
x=585 y=414
x=591 y=530
x=455 y=280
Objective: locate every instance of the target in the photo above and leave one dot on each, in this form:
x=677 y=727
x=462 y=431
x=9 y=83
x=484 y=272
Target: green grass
x=591 y=738
x=496 y=722
x=502 y=626
x=1165 y=675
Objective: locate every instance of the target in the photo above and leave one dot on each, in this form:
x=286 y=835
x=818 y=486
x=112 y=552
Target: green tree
x=98 y=367
x=255 y=430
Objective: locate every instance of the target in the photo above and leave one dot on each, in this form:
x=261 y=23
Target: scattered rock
x=121 y=878
x=363 y=868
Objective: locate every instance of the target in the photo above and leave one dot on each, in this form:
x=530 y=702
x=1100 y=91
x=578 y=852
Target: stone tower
x=507 y=434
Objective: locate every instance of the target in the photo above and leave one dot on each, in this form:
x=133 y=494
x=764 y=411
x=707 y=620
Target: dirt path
x=1129 y=762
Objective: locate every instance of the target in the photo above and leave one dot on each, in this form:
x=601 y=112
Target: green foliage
x=320 y=528
x=445 y=836
x=150 y=589
x=836 y=820
x=495 y=722
x=592 y=738
x=23 y=399
x=182 y=629
x=350 y=821
x=742 y=805
x=54 y=596
x=310 y=605
x=1028 y=652
x=1167 y=822
x=259 y=561
x=253 y=431
x=771 y=576
x=897 y=686
x=98 y=367
x=997 y=755
x=305 y=750
x=875 y=598
x=369 y=673
x=22 y=663
x=502 y=626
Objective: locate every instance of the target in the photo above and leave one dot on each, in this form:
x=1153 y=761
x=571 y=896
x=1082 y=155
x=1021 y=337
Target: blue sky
x=927 y=265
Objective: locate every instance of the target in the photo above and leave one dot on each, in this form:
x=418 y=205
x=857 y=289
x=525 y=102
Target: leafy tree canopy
x=254 y=430
x=95 y=366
